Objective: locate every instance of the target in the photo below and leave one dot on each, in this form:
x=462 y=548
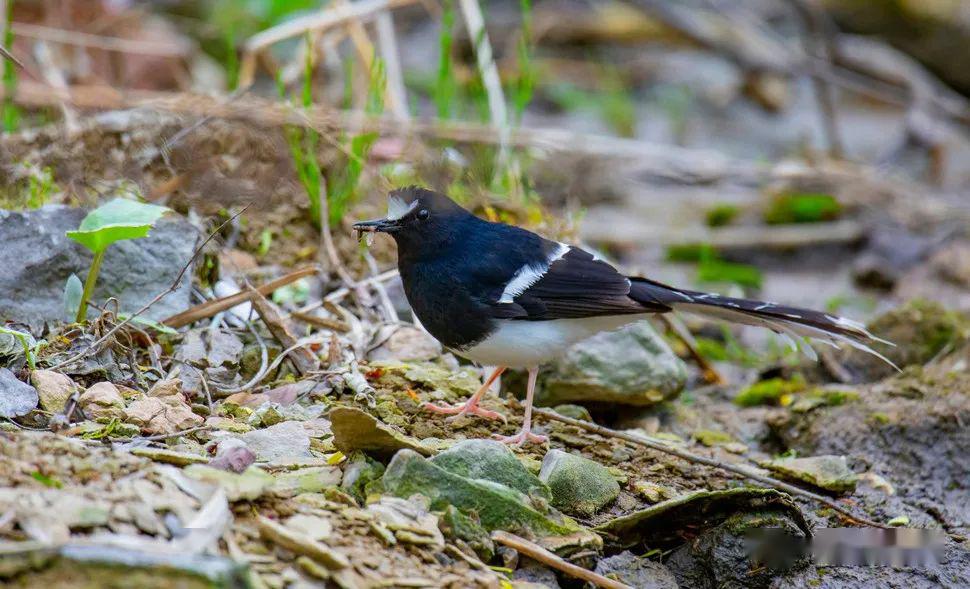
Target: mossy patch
x=774 y=391
x=800 y=207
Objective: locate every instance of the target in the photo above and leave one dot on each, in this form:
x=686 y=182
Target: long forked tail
x=792 y=323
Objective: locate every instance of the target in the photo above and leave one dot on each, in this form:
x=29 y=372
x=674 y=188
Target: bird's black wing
x=574 y=285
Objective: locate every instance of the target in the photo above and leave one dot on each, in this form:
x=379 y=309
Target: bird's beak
x=377 y=226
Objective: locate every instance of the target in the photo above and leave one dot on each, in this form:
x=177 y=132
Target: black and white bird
x=503 y=296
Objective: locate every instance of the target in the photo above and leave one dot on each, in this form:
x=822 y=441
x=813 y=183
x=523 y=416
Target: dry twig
x=317 y=22
x=302 y=358
x=210 y=308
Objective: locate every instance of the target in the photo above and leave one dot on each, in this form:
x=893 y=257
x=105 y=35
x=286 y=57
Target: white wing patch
x=529 y=274
x=397 y=208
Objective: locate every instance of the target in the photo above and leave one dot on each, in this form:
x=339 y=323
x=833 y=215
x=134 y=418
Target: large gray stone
x=632 y=365
x=16 y=398
x=37 y=259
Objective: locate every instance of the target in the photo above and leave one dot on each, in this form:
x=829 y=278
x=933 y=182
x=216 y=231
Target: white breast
x=524 y=344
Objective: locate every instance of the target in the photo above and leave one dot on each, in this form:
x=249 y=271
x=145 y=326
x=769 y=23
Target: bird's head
x=418 y=218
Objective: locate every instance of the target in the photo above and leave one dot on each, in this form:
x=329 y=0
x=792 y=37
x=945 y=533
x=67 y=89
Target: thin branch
x=179 y=49
x=210 y=308
x=737 y=469
x=538 y=553
x=318 y=21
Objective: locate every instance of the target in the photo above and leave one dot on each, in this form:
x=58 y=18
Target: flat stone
x=102 y=402
x=312 y=526
x=831 y=473
x=632 y=365
x=16 y=398
x=247 y=485
x=53 y=388
x=579 y=485
x=281 y=441
x=37 y=258
x=306 y=480
x=493 y=461
x=169 y=456
x=354 y=429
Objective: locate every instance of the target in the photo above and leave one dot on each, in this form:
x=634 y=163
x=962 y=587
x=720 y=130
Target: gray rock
x=632 y=365
x=579 y=485
x=641 y=573
x=535 y=574
x=283 y=440
x=493 y=461
x=16 y=398
x=37 y=259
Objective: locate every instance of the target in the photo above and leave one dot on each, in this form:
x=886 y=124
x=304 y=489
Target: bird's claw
x=465 y=409
x=522 y=438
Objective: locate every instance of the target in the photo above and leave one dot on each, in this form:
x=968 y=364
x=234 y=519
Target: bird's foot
x=522 y=438
x=469 y=408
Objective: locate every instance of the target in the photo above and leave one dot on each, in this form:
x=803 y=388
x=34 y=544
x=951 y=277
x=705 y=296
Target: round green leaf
x=116 y=220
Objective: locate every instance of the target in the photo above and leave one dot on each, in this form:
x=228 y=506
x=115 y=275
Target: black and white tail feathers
x=792 y=323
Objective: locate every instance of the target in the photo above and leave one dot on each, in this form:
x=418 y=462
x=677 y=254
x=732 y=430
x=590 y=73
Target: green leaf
x=73 y=289
x=116 y=220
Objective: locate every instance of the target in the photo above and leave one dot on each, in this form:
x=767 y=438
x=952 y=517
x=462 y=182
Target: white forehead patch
x=397 y=208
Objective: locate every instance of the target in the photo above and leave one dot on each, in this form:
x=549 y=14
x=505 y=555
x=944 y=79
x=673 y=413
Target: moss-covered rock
x=920 y=329
x=831 y=473
x=359 y=471
x=632 y=365
x=579 y=485
x=773 y=391
x=493 y=461
x=497 y=506
x=661 y=525
x=456 y=524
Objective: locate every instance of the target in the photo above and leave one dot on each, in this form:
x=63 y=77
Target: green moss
x=721 y=215
x=688 y=252
x=720 y=271
x=823 y=398
x=710 y=437
x=802 y=208
x=798 y=207
x=774 y=391
x=880 y=418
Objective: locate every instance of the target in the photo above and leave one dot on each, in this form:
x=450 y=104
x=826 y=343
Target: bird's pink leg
x=526 y=435
x=471 y=406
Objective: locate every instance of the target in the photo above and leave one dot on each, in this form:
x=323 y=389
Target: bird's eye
x=423 y=214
